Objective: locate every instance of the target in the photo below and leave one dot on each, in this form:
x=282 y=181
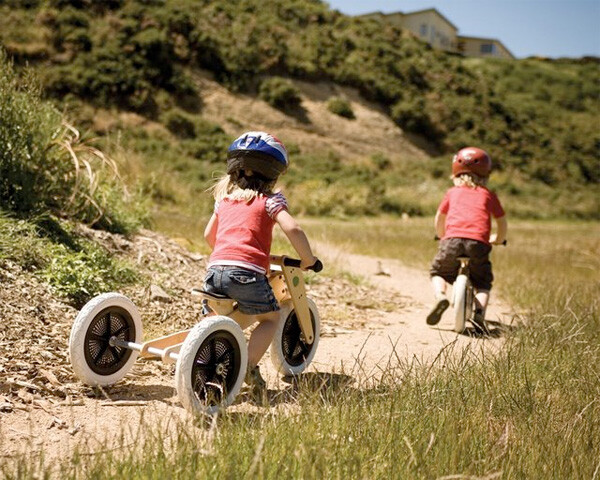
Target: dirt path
x=402 y=332
x=361 y=336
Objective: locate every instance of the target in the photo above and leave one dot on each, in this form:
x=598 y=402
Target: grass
x=75 y=268
x=529 y=411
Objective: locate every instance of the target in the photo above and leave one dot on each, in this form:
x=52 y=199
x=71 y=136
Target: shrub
x=280 y=93
x=179 y=123
x=44 y=164
x=340 y=106
x=81 y=275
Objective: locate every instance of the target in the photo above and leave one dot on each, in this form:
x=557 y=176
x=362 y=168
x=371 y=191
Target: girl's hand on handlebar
x=305 y=264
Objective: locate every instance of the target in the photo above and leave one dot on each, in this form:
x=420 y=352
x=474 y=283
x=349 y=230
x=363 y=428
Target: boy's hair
x=229 y=187
x=469 y=180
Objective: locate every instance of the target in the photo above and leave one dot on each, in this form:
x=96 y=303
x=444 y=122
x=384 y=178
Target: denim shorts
x=250 y=289
x=446 y=265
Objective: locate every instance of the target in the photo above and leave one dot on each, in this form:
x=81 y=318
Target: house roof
x=485 y=39
x=434 y=10
x=408 y=14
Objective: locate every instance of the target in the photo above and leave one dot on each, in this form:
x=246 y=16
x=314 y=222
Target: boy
x=463 y=224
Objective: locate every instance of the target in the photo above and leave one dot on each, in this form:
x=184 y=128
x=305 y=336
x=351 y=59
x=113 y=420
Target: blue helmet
x=260 y=152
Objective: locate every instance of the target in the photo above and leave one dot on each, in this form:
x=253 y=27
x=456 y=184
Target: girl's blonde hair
x=225 y=187
x=469 y=180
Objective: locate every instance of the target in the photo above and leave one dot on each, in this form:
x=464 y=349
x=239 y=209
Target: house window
x=487 y=48
x=423 y=29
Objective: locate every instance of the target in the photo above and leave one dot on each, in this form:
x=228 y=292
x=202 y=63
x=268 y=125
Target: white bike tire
x=288 y=360
x=459 y=293
x=217 y=335
x=95 y=317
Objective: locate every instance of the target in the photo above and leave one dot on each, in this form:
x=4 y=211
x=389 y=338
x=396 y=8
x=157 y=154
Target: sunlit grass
x=529 y=411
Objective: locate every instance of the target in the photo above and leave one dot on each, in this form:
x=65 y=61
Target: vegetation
x=536 y=117
x=50 y=178
x=341 y=107
x=494 y=415
x=46 y=168
x=75 y=268
x=280 y=93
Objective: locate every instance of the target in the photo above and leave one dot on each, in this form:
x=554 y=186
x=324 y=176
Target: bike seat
x=209 y=295
x=215 y=296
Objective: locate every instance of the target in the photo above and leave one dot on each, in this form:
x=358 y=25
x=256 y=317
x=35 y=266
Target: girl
x=463 y=225
x=240 y=231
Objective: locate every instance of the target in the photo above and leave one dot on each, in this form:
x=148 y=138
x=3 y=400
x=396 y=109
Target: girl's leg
x=262 y=336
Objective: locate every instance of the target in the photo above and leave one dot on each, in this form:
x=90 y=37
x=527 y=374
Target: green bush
x=81 y=275
x=340 y=106
x=76 y=269
x=280 y=93
x=44 y=164
x=179 y=123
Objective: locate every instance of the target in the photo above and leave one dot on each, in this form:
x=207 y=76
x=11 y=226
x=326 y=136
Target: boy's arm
x=297 y=238
x=501 y=229
x=210 y=232
x=440 y=224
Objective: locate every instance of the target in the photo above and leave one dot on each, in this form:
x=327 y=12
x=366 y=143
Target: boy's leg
x=481 y=300
x=439 y=287
x=441 y=302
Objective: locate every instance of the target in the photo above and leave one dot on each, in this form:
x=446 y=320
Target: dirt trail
x=363 y=328
x=401 y=332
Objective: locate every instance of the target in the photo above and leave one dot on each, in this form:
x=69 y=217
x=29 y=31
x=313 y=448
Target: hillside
x=166 y=86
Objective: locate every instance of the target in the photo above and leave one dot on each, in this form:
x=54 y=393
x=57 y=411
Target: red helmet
x=472 y=160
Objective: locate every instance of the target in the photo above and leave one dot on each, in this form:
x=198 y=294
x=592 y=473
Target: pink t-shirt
x=468 y=213
x=245 y=231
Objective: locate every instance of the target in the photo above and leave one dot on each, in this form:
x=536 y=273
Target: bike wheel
x=461 y=303
x=290 y=354
x=94 y=360
x=211 y=366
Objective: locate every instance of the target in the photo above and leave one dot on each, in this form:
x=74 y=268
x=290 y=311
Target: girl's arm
x=501 y=229
x=210 y=232
x=440 y=224
x=297 y=238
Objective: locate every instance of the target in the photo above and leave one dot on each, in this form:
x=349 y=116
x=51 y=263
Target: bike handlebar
x=294 y=262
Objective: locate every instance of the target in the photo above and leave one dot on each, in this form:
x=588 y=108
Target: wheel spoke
x=120 y=330
x=98 y=338
x=101 y=352
x=213 y=349
x=115 y=353
x=224 y=354
x=203 y=366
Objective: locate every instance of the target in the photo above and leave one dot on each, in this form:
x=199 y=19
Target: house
x=482 y=47
x=434 y=28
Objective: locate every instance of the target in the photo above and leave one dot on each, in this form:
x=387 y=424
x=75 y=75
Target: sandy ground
x=356 y=350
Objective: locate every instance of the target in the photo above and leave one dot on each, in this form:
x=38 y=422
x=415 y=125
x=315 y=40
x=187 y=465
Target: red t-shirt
x=245 y=231
x=468 y=213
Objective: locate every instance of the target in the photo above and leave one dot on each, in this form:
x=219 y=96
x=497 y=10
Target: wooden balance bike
x=211 y=358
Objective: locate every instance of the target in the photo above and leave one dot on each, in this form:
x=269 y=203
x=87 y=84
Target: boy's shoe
x=479 y=322
x=436 y=312
x=257 y=384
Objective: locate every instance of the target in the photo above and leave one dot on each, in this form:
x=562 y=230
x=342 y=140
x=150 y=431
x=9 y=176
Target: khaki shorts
x=445 y=263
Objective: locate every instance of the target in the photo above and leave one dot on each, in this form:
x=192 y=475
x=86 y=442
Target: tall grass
x=46 y=167
x=528 y=411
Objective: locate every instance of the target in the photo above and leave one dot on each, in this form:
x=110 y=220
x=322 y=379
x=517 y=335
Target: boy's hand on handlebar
x=494 y=240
